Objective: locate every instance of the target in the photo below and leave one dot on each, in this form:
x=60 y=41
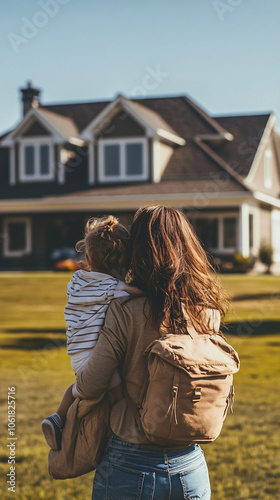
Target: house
x=65 y=162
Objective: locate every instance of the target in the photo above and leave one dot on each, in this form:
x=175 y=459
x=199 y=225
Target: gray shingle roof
x=64 y=125
x=247 y=131
x=181 y=116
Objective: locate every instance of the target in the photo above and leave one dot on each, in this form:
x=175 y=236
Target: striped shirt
x=89 y=294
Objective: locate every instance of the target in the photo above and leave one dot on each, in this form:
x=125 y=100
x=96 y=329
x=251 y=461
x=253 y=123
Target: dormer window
x=36 y=160
x=123 y=159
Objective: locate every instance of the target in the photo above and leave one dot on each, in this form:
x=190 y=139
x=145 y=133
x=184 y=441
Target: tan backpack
x=188 y=389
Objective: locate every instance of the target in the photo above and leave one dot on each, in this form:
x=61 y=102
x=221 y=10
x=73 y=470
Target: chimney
x=30 y=97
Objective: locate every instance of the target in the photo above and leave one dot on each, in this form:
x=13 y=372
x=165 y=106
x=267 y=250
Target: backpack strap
x=191 y=329
x=214 y=324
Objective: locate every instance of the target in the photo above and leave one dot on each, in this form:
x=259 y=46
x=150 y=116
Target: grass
x=244 y=463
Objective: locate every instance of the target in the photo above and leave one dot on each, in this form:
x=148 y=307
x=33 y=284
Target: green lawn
x=244 y=462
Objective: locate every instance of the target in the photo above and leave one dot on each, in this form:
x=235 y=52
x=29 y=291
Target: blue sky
x=223 y=54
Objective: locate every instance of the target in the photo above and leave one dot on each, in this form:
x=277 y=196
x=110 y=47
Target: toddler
x=89 y=294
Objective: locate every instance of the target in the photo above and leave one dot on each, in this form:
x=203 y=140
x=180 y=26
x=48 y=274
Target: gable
x=41 y=122
x=265 y=168
x=247 y=131
x=151 y=122
x=121 y=125
x=35 y=129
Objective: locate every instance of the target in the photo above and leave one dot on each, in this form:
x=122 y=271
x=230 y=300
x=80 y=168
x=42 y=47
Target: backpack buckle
x=175 y=389
x=197 y=394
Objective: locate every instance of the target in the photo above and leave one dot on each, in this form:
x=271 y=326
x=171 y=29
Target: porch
x=30 y=239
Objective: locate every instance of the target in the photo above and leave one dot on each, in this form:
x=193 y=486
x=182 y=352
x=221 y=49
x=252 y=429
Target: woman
x=168 y=263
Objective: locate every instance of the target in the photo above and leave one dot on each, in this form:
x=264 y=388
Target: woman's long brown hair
x=168 y=262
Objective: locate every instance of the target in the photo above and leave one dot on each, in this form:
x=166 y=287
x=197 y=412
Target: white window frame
x=122 y=143
x=28 y=247
x=267 y=169
x=36 y=142
x=221 y=248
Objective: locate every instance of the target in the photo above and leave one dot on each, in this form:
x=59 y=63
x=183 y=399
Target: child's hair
x=105 y=242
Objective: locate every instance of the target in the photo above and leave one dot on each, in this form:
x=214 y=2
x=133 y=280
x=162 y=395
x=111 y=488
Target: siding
x=51 y=232
x=4 y=167
x=257 y=181
x=76 y=177
x=121 y=125
x=35 y=129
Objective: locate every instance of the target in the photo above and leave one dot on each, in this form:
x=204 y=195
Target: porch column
x=62 y=158
x=155 y=161
x=244 y=243
x=91 y=163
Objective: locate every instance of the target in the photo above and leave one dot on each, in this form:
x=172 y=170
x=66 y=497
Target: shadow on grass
x=252 y=328
x=240 y=329
x=28 y=344
x=3 y=459
x=33 y=330
x=256 y=296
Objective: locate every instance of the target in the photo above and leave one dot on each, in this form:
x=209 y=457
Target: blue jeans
x=131 y=472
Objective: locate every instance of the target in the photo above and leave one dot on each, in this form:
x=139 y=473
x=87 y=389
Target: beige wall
x=165 y=153
x=256 y=178
x=161 y=155
x=275 y=222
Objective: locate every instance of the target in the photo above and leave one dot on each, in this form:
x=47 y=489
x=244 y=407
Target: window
x=268 y=169
x=217 y=233
x=17 y=237
x=44 y=155
x=230 y=225
x=134 y=159
x=123 y=159
x=36 y=160
x=207 y=231
x=112 y=161
x=29 y=160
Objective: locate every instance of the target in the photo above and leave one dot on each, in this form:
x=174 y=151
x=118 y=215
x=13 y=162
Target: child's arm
x=133 y=290
x=65 y=403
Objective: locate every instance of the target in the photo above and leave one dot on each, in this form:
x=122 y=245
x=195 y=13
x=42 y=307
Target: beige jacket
x=126 y=333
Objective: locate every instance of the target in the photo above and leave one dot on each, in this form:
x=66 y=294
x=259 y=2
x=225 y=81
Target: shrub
x=242 y=264
x=266 y=255
x=238 y=259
